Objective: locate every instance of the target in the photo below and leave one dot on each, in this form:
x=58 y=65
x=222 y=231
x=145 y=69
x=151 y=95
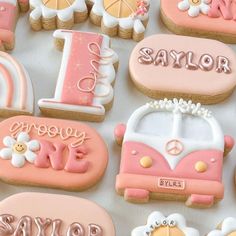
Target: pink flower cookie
x=16 y=96
x=159 y=225
x=9 y=10
x=84 y=87
x=51 y=153
x=35 y=214
x=202 y=18
x=172 y=150
x=202 y=70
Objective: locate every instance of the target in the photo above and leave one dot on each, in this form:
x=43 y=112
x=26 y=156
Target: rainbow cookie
x=172 y=150
x=202 y=70
x=125 y=18
x=34 y=214
x=52 y=14
x=159 y=225
x=17 y=97
x=51 y=153
x=202 y=18
x=226 y=228
x=84 y=87
x=9 y=10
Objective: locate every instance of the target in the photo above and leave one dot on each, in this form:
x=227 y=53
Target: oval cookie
x=202 y=18
x=51 y=153
x=50 y=214
x=171 y=66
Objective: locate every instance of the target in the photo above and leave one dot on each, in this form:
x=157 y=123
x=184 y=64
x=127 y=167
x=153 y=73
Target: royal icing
x=159 y=225
x=86 y=74
x=206 y=68
x=171 y=157
x=17 y=92
x=53 y=147
x=50 y=214
x=227 y=228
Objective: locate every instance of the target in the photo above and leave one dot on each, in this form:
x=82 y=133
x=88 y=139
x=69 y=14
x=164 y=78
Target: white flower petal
x=6 y=153
x=23 y=137
x=184 y=5
x=204 y=8
x=33 y=145
x=30 y=156
x=194 y=11
x=18 y=160
x=9 y=141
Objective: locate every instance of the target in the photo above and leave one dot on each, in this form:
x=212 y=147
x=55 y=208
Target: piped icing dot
x=200 y=166
x=146 y=162
x=134 y=152
x=213 y=160
x=2 y=8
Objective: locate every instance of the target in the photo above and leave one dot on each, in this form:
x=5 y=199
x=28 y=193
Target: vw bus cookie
x=160 y=225
x=9 y=10
x=61 y=14
x=34 y=214
x=202 y=18
x=226 y=228
x=125 y=18
x=84 y=88
x=51 y=153
x=172 y=66
x=172 y=149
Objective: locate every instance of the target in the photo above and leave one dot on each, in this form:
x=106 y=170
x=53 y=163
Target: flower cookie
x=16 y=94
x=172 y=149
x=125 y=18
x=51 y=153
x=84 y=87
x=34 y=214
x=159 y=225
x=202 y=18
x=202 y=70
x=9 y=10
x=52 y=14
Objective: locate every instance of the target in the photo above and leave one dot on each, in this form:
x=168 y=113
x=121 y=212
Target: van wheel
x=136 y=195
x=203 y=201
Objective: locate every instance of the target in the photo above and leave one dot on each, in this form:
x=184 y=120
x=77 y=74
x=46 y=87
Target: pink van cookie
x=172 y=150
x=34 y=214
x=9 y=10
x=51 y=153
x=202 y=18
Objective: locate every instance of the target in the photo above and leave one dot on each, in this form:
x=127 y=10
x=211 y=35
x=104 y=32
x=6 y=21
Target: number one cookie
x=84 y=87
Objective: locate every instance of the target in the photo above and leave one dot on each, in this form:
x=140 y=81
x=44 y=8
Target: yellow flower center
x=19 y=148
x=195 y=2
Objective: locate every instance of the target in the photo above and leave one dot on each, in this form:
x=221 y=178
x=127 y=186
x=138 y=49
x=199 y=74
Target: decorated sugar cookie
x=205 y=18
x=84 y=87
x=35 y=214
x=159 y=225
x=226 y=228
x=125 y=18
x=52 y=14
x=202 y=70
x=51 y=153
x=16 y=92
x=8 y=18
x=172 y=149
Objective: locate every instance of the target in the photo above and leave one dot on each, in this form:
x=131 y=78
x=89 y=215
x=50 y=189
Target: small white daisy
x=194 y=7
x=19 y=149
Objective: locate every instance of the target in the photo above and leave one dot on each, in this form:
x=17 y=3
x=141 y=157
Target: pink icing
x=229 y=142
x=202 y=199
x=78 y=68
x=7 y=16
x=119 y=131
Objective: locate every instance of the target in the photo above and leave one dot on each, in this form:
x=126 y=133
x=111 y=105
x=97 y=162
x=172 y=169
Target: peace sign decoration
x=174 y=147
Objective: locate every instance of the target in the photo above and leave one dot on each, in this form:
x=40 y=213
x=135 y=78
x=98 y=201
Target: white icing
x=106 y=69
x=157 y=219
x=14 y=2
x=39 y=9
x=131 y=22
x=228 y=226
x=178 y=109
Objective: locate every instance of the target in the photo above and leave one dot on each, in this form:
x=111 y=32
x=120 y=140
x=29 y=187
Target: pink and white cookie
x=84 y=87
x=202 y=18
x=51 y=153
x=61 y=14
x=34 y=214
x=172 y=149
x=172 y=66
x=16 y=91
x=160 y=225
x=9 y=10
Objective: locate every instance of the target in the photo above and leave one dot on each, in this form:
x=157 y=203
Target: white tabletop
x=36 y=51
